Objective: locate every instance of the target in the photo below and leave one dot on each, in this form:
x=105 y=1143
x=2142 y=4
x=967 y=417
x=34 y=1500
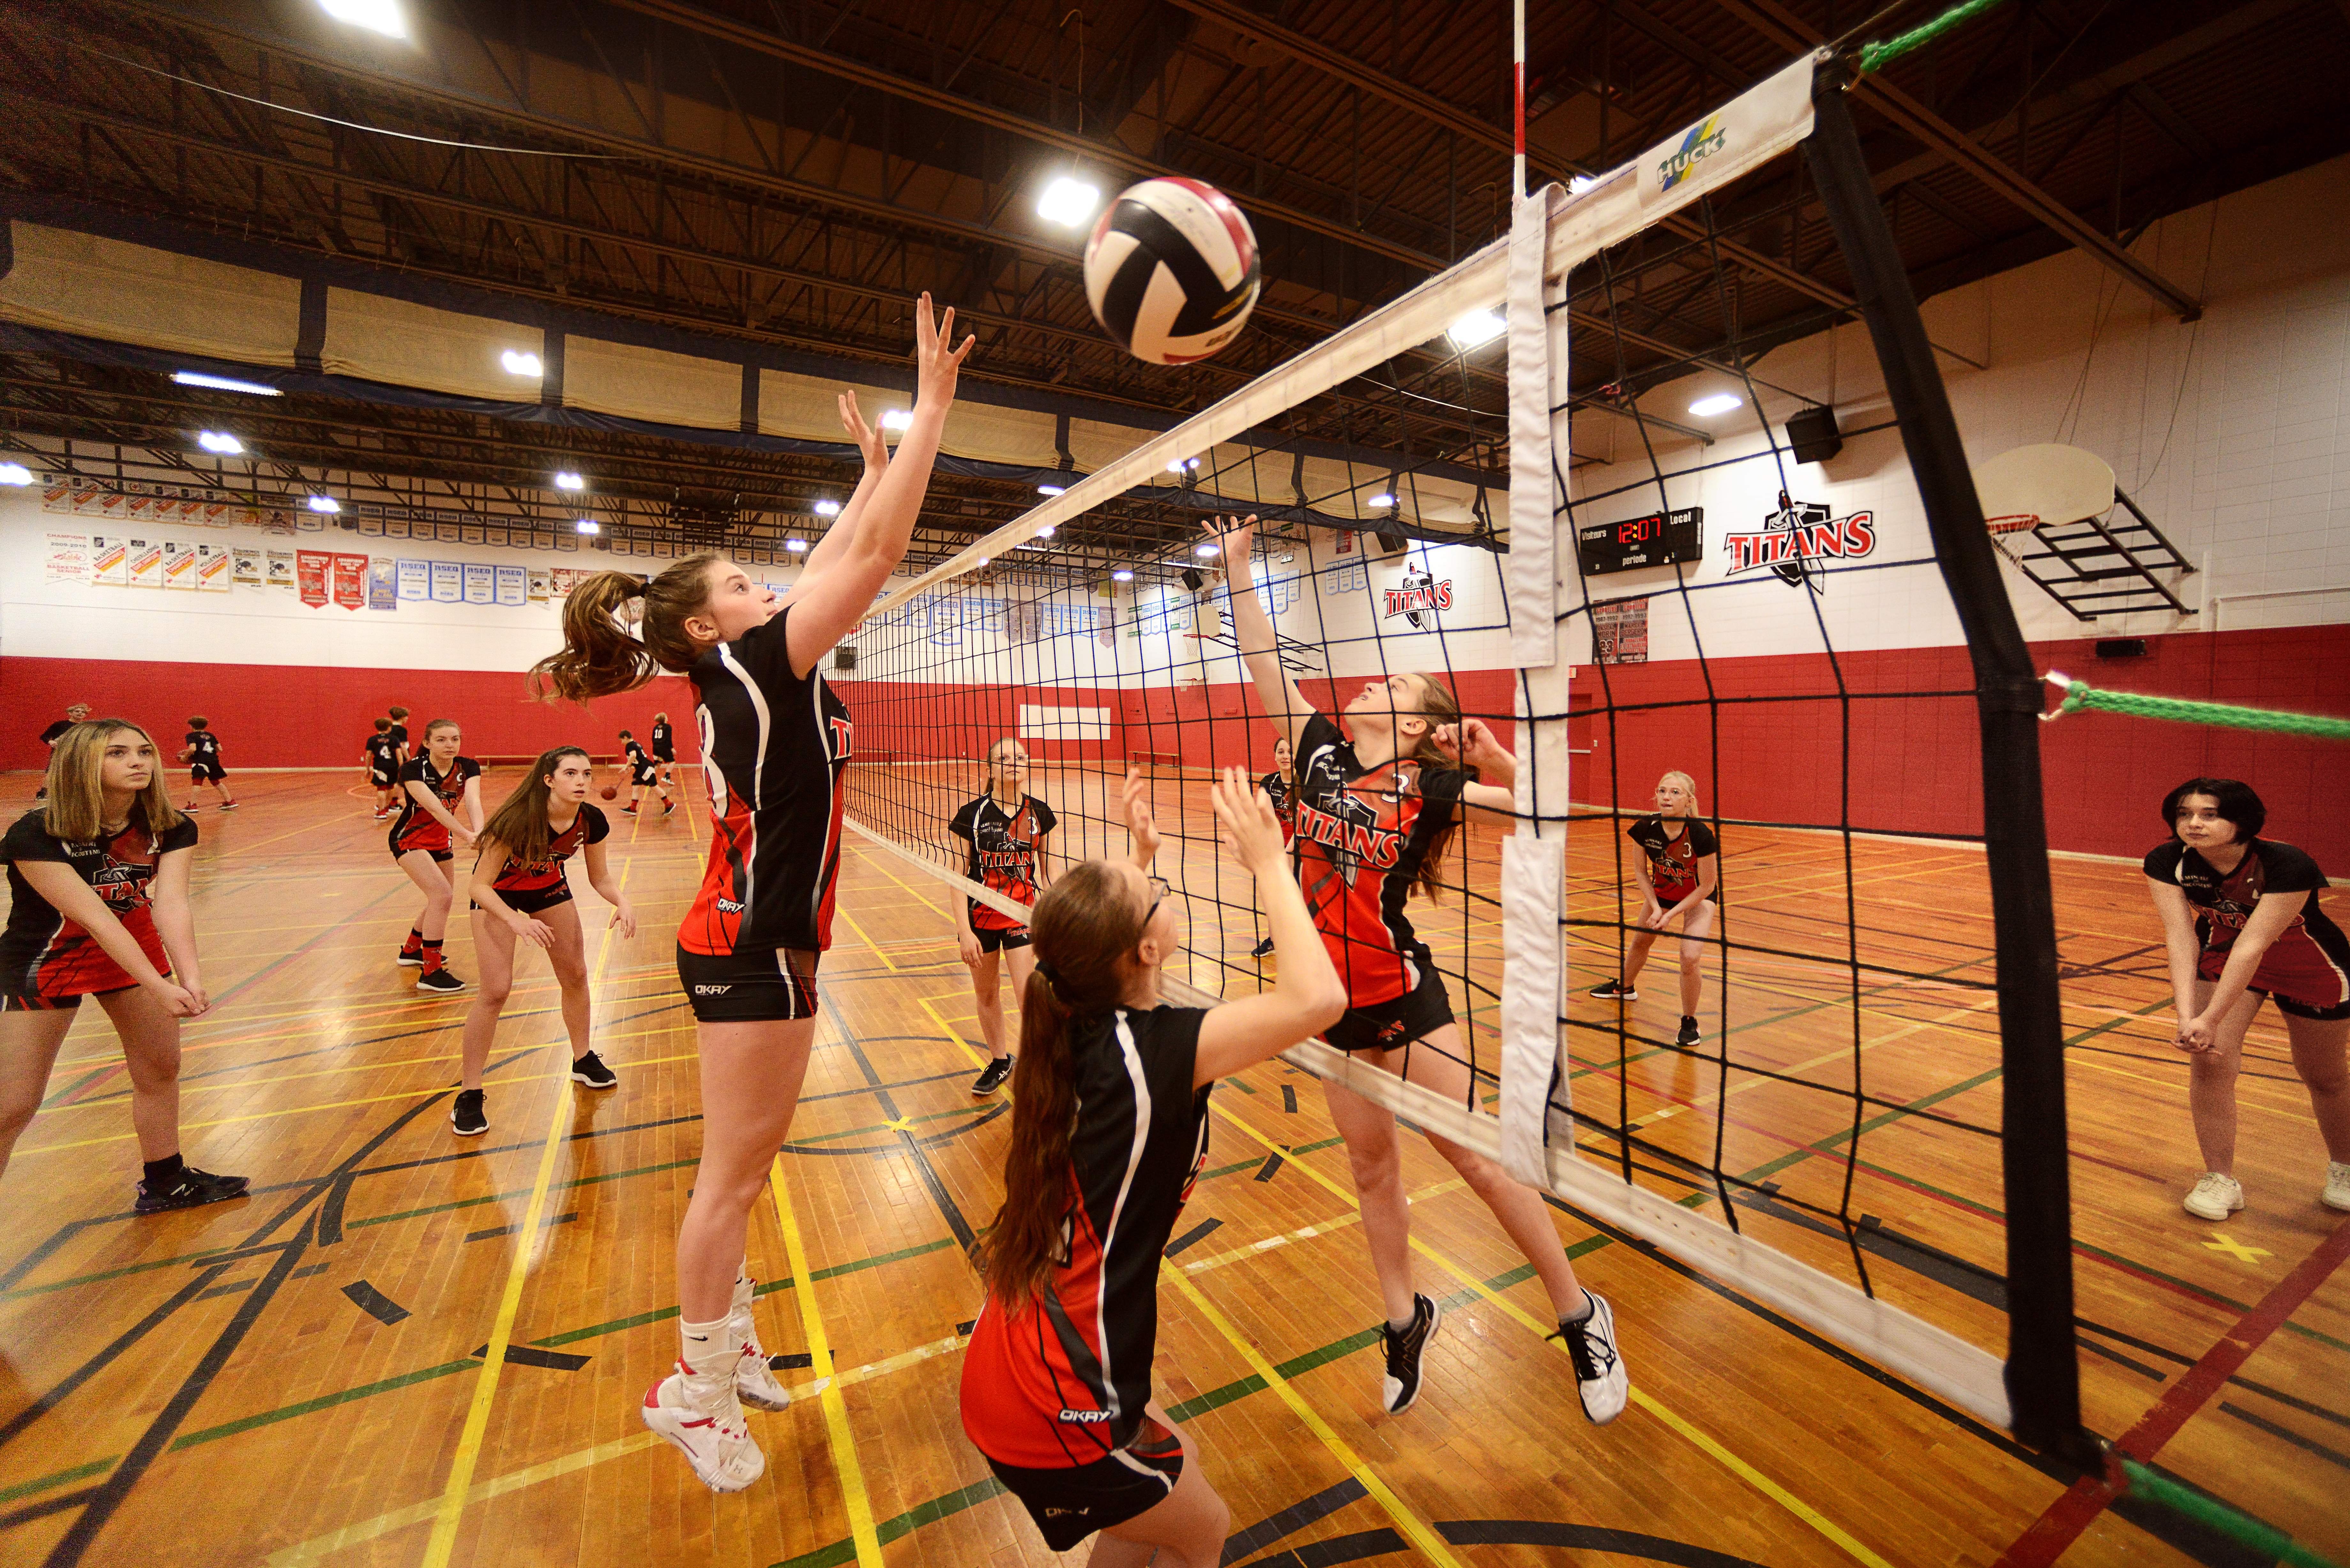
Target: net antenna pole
x=1518 y=96
x=2043 y=1370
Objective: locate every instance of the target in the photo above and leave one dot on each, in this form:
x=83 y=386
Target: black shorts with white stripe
x=773 y=986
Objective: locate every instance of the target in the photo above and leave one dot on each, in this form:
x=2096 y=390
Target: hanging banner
x=445 y=532
x=350 y=581
x=481 y=583
x=179 y=564
x=383 y=583
x=370 y=527
x=495 y=532
x=313 y=572
x=110 y=560
x=146 y=564
x=448 y=582
x=540 y=587
x=68 y=558
x=1620 y=631
x=248 y=566
x=211 y=568
x=513 y=586
x=415 y=580
x=468 y=533
x=395 y=527
x=282 y=573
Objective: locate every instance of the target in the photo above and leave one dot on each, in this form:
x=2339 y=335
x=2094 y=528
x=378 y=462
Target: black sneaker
x=591 y=1070
x=470 y=1116
x=1262 y=948
x=992 y=1076
x=191 y=1187
x=411 y=958
x=438 y=980
x=667 y=806
x=1615 y=990
x=1599 y=1375
x=1687 y=1035
x=1401 y=1386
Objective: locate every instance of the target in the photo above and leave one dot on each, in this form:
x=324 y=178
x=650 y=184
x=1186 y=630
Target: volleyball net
x=1852 y=1053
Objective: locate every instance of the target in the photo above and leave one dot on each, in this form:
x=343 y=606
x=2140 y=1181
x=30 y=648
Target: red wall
x=289 y=716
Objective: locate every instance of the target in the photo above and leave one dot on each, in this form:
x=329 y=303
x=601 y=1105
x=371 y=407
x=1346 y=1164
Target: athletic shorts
x=2299 y=968
x=81 y=968
x=531 y=900
x=14 y=1001
x=438 y=854
x=381 y=779
x=992 y=940
x=1070 y=1504
x=1388 y=1025
x=2296 y=1007
x=768 y=987
x=207 y=772
x=664 y=754
x=646 y=778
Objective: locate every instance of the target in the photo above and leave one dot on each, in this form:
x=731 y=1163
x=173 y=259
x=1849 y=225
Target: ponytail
x=1083 y=933
x=600 y=657
x=1442 y=708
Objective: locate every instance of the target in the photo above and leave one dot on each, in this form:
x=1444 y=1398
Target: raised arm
x=1493 y=798
x=1307 y=995
x=1283 y=703
x=845 y=592
x=1134 y=805
x=836 y=539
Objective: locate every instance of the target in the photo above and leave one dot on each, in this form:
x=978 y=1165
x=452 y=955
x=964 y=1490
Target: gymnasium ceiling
x=791 y=171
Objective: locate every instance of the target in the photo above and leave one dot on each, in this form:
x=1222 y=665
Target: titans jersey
x=545 y=874
x=772 y=747
x=1673 y=855
x=1003 y=855
x=417 y=829
x=1275 y=786
x=2310 y=960
x=1065 y=1382
x=1360 y=838
x=42 y=954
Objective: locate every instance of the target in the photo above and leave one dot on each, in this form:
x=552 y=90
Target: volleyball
x=1171 y=270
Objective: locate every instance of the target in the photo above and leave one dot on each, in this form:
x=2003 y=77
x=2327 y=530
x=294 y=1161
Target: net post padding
x=1932 y=1357
x=2042 y=1371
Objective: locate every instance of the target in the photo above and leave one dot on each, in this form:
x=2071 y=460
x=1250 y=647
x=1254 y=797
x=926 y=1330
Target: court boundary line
x=855 y=1501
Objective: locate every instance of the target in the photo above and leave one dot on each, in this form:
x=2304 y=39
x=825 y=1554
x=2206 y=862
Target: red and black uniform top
x=1673 y=854
x=776 y=744
x=1275 y=786
x=1003 y=854
x=417 y=829
x=1360 y=837
x=2310 y=960
x=1065 y=1382
x=45 y=955
x=544 y=874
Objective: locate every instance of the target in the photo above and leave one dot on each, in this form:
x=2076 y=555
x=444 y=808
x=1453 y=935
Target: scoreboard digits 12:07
x=1659 y=539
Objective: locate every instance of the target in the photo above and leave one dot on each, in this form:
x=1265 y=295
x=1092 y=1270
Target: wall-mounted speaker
x=2121 y=647
x=1193 y=581
x=844 y=656
x=1392 y=540
x=1813 y=435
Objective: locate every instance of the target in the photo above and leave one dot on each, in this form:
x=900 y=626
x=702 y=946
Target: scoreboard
x=1659 y=539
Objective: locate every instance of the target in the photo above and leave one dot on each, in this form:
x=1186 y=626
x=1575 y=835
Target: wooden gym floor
x=406 y=1348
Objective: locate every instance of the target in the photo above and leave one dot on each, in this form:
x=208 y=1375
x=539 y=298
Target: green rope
x=1877 y=57
x=2271 y=1545
x=2080 y=694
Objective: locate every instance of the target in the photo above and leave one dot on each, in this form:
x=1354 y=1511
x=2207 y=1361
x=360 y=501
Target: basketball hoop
x=2046 y=485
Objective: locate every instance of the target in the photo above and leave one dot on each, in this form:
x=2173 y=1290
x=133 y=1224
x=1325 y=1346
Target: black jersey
x=399 y=733
x=2310 y=960
x=1361 y=835
x=772 y=747
x=1065 y=1382
x=203 y=749
x=1002 y=853
x=545 y=874
x=56 y=732
x=664 y=743
x=1275 y=786
x=417 y=829
x=1673 y=854
x=42 y=954
x=643 y=769
x=383 y=756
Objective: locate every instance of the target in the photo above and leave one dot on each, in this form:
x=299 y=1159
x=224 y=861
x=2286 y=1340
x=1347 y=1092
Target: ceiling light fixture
x=1068 y=202
x=898 y=420
x=1047 y=531
x=796 y=546
x=14 y=474
x=326 y=504
x=1718 y=403
x=586 y=525
x=1476 y=329
x=1184 y=465
x=826 y=508
x=519 y=362
x=221 y=383
x=220 y=442
x=1577 y=184
x=1383 y=499
x=1206 y=551
x=1052 y=490
x=1121 y=576
x=376 y=15
x=567 y=479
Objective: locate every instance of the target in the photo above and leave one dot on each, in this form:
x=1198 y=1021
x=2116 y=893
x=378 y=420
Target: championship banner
x=383 y=583
x=370 y=527
x=539 y=586
x=249 y=566
x=350 y=581
x=415 y=580
x=448 y=582
x=110 y=560
x=211 y=569
x=395 y=527
x=468 y=533
x=66 y=560
x=514 y=587
x=481 y=582
x=146 y=564
x=179 y=564
x=493 y=534
x=445 y=532
x=281 y=570
x=312 y=569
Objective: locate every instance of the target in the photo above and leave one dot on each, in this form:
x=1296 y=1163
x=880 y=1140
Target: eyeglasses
x=1162 y=890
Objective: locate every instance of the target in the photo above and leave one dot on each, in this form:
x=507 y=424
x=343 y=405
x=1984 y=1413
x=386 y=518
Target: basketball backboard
x=2045 y=485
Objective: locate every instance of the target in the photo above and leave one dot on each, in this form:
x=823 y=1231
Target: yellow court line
x=1410 y=1523
x=454 y=1497
x=1704 y=1443
x=877 y=951
x=1840 y=1054
x=853 y=1496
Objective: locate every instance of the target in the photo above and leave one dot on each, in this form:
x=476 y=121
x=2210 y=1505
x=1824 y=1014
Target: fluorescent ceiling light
x=1205 y=551
x=376 y=15
x=519 y=363
x=1121 y=576
x=1476 y=329
x=826 y=508
x=1047 y=531
x=1184 y=464
x=1579 y=183
x=586 y=525
x=14 y=474
x=984 y=560
x=1719 y=403
x=567 y=479
x=1068 y=202
x=897 y=419
x=221 y=383
x=1052 y=490
x=220 y=442
x=796 y=547
x=1382 y=499
x=326 y=504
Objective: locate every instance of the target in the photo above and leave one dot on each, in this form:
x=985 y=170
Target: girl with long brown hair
x=776 y=738
x=521 y=894
x=98 y=885
x=434 y=788
x=1680 y=877
x=1109 y=1130
x=1375 y=806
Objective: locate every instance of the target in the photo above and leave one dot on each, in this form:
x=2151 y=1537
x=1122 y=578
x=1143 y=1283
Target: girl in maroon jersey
x=1110 y=1129
x=1003 y=834
x=1375 y=808
x=777 y=739
x=521 y=895
x=2240 y=921
x=98 y=885
x=435 y=788
x=1681 y=877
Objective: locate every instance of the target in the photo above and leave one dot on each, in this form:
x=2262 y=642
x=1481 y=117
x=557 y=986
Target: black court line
x=2306 y=1445
x=510 y=1230
x=1268 y=1170
x=46 y=1507
x=1586 y=1538
x=98 y=1362
x=1190 y=1237
x=1379 y=1542
x=530 y=1356
x=790 y=1361
x=374 y=1302
x=230 y=1289
x=1293 y=1519
x=914 y=1147
x=1289 y=1098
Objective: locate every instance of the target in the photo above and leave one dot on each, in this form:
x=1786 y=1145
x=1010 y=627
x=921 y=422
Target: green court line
x=323 y=1402
x=517 y=1192
x=884 y=1127
x=22 y=1291
x=43 y=1484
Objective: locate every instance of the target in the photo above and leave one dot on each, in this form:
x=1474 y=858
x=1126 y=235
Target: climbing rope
x=2080 y=694
x=1877 y=57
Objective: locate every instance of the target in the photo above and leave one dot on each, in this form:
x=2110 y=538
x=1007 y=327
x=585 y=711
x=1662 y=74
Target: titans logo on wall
x=1417 y=598
x=1797 y=535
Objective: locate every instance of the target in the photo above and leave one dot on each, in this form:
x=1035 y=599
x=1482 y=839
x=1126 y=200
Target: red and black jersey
x=774 y=743
x=1673 y=854
x=1065 y=1381
x=42 y=954
x=417 y=829
x=1003 y=854
x=1275 y=786
x=383 y=756
x=1359 y=838
x=2310 y=960
x=545 y=873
